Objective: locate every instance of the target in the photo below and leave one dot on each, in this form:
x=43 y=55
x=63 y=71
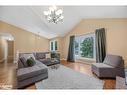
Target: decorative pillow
x=31 y=62
x=23 y=61
x=27 y=56
x=40 y=55
x=48 y=55
x=20 y=64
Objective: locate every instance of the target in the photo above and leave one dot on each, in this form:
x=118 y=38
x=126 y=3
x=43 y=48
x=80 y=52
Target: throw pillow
x=23 y=61
x=28 y=55
x=31 y=62
x=40 y=55
x=48 y=55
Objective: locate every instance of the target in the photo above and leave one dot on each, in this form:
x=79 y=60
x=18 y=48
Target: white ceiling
x=31 y=18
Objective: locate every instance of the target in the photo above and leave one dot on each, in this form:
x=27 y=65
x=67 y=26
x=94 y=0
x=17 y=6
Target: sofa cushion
x=113 y=60
x=20 y=64
x=40 y=56
x=23 y=61
x=45 y=61
x=27 y=55
x=101 y=65
x=40 y=63
x=25 y=73
x=103 y=70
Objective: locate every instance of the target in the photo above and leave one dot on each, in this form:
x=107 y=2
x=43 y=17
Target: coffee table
x=56 y=66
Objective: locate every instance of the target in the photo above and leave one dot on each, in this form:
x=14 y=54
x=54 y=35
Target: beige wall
x=116 y=34
x=25 y=41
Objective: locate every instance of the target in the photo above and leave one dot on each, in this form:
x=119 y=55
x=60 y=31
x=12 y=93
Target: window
x=53 y=45
x=85 y=46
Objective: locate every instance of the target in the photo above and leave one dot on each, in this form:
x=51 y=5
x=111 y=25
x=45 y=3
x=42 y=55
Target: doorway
x=6 y=48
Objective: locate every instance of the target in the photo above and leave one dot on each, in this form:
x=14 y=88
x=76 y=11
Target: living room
x=74 y=50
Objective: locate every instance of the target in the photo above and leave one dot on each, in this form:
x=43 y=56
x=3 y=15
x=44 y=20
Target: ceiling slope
x=31 y=18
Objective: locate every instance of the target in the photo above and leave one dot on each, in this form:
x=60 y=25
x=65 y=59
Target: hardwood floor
x=8 y=74
x=86 y=69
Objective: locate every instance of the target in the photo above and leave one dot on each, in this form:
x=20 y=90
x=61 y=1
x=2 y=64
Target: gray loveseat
x=30 y=75
x=112 y=66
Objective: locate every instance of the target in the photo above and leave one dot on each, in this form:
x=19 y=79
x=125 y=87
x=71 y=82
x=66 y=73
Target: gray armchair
x=112 y=66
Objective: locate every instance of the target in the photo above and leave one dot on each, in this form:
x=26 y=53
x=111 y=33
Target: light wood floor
x=8 y=74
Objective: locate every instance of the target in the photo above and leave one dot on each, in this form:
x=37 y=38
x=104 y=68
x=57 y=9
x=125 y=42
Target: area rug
x=66 y=78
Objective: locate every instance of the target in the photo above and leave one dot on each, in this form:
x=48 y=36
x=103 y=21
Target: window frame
x=80 y=40
x=55 y=45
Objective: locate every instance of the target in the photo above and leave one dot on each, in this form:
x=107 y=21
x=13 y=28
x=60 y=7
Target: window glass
x=85 y=46
x=51 y=45
x=55 y=45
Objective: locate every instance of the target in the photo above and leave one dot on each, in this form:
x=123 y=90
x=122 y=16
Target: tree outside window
x=86 y=47
x=76 y=48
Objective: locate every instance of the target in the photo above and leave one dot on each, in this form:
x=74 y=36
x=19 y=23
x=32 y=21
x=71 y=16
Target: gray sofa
x=41 y=56
x=30 y=75
x=112 y=66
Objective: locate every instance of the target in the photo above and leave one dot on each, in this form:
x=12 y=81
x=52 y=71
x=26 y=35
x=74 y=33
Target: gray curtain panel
x=100 y=45
x=71 y=56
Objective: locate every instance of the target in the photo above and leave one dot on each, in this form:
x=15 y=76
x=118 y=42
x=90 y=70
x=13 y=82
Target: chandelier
x=53 y=14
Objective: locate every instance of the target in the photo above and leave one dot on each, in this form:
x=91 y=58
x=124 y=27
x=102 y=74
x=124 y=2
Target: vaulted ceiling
x=31 y=18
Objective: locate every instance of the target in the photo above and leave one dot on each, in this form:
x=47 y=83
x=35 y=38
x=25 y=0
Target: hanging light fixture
x=54 y=14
